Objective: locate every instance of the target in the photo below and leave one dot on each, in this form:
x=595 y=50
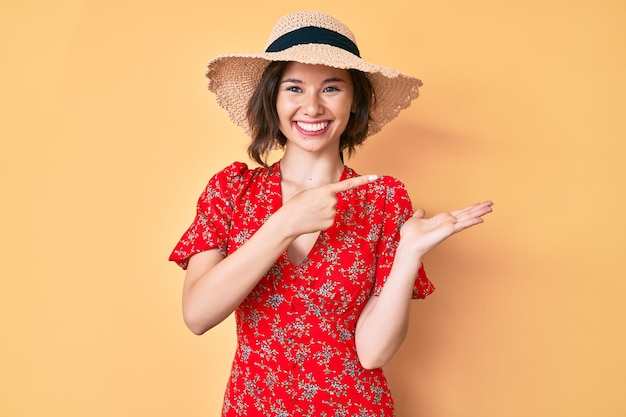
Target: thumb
x=419 y=213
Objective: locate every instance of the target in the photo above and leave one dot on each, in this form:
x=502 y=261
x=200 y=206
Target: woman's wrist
x=280 y=225
x=408 y=256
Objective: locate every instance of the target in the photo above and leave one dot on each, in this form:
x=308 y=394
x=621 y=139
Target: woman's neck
x=309 y=172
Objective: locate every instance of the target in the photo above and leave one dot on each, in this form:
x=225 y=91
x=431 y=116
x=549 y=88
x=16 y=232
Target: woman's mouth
x=312 y=127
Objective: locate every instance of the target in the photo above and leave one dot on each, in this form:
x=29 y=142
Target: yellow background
x=108 y=136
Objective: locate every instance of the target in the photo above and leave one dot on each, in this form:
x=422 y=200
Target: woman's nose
x=313 y=105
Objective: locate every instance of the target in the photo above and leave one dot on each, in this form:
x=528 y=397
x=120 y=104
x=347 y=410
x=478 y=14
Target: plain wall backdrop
x=108 y=136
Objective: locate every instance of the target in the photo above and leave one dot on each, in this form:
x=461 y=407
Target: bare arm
x=214 y=286
x=383 y=324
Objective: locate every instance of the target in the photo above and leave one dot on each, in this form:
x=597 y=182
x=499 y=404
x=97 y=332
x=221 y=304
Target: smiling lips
x=312 y=127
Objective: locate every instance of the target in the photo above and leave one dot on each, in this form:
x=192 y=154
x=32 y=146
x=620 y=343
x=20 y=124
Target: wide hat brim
x=233 y=79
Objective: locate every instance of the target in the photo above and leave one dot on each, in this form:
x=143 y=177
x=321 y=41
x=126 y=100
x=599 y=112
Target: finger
x=350 y=183
x=472 y=216
x=478 y=209
x=467 y=223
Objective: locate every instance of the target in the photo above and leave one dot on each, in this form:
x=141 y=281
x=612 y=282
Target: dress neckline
x=277 y=187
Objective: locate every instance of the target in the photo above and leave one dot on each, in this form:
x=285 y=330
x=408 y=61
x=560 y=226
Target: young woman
x=318 y=263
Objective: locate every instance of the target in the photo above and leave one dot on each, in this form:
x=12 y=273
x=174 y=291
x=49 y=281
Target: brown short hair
x=265 y=125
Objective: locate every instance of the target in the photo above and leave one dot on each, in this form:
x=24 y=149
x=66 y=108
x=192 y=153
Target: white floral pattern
x=296 y=354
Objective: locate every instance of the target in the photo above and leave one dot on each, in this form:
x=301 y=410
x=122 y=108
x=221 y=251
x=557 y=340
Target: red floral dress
x=296 y=353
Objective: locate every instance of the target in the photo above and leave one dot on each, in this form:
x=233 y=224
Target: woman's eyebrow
x=291 y=80
x=334 y=80
x=326 y=81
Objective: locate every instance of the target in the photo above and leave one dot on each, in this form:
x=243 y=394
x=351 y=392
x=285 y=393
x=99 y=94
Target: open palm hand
x=423 y=234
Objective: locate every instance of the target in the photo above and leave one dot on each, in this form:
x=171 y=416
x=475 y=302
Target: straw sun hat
x=310 y=38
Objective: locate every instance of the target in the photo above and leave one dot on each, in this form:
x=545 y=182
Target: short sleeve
x=397 y=210
x=210 y=227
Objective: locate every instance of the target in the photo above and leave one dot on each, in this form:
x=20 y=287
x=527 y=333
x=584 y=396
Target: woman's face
x=314 y=103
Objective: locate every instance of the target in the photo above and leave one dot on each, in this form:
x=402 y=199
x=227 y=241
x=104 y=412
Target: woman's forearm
x=383 y=324
x=215 y=286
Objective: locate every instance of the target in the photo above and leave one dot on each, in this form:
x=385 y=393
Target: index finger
x=350 y=183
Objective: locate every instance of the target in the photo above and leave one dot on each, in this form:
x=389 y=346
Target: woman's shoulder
x=240 y=169
x=238 y=173
x=233 y=180
x=236 y=180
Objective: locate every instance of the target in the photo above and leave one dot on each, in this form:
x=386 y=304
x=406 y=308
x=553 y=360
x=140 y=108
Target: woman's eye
x=330 y=89
x=294 y=89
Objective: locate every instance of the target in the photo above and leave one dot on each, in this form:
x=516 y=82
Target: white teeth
x=312 y=127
